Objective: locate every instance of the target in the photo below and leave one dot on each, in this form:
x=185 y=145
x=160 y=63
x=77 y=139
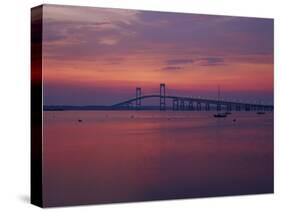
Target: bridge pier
x=269 y=108
x=182 y=104
x=229 y=107
x=259 y=108
x=162 y=97
x=207 y=106
x=138 y=98
x=175 y=104
x=129 y=106
x=238 y=107
x=198 y=106
x=190 y=105
x=218 y=107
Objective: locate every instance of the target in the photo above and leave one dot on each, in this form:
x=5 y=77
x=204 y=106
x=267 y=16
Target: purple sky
x=99 y=56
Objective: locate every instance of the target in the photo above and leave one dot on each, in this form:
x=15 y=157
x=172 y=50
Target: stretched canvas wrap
x=131 y=105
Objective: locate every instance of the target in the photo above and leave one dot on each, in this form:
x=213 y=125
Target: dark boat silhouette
x=220 y=115
x=260 y=112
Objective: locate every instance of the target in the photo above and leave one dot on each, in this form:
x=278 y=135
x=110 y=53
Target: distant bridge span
x=190 y=103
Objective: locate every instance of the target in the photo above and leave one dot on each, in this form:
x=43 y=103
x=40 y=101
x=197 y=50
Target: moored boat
x=220 y=115
x=260 y=112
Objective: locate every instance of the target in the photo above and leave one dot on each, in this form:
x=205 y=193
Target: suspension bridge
x=187 y=103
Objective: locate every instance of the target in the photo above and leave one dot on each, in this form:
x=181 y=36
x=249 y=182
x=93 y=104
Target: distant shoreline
x=122 y=108
x=95 y=107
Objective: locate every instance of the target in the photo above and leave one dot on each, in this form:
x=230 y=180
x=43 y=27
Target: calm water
x=117 y=156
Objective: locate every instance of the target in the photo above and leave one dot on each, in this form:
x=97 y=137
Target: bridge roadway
x=240 y=105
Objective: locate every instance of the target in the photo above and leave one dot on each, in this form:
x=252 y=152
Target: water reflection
x=134 y=156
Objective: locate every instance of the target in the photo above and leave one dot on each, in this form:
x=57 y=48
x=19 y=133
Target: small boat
x=260 y=112
x=220 y=115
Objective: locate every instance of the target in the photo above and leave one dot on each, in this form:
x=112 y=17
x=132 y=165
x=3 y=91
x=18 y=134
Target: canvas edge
x=37 y=104
x=36 y=185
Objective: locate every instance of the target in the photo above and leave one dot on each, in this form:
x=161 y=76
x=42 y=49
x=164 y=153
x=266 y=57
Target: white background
x=15 y=103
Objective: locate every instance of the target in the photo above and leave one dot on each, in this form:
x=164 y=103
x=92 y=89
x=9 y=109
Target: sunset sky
x=94 y=56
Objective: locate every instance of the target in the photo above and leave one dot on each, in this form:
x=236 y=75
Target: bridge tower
x=162 y=97
x=138 y=98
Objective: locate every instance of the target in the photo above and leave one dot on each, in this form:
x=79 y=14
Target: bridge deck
x=193 y=99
